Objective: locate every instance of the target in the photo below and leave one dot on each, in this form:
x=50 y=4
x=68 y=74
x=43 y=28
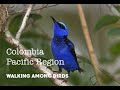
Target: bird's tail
x=81 y=70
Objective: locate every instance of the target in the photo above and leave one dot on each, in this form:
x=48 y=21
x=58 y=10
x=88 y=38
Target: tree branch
x=89 y=43
x=24 y=21
x=41 y=68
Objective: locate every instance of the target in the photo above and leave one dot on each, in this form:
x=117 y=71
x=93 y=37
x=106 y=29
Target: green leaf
x=30 y=34
x=114 y=31
x=115 y=49
x=35 y=16
x=105 y=21
x=15 y=23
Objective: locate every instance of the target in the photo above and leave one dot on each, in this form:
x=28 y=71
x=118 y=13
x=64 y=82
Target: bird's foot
x=56 y=71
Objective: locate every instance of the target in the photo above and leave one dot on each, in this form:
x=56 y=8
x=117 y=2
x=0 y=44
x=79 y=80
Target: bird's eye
x=61 y=26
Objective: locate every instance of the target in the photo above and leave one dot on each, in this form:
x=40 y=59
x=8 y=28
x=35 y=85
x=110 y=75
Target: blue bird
x=63 y=49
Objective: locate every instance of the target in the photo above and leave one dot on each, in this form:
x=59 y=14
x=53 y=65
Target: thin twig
x=46 y=6
x=24 y=22
x=89 y=43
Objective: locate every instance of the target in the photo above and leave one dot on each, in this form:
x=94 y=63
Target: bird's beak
x=53 y=19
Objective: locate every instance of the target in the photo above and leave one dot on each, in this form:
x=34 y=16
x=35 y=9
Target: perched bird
x=63 y=49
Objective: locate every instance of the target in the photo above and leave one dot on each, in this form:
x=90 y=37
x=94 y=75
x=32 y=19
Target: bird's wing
x=71 y=48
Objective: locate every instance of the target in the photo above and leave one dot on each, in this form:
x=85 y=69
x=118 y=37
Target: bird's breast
x=58 y=45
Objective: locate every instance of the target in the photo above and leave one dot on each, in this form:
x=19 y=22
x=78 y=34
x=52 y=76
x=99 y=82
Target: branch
x=41 y=68
x=43 y=6
x=89 y=43
x=46 y=6
x=24 y=22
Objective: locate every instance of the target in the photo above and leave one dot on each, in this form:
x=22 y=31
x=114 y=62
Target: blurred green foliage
x=111 y=24
x=115 y=49
x=104 y=21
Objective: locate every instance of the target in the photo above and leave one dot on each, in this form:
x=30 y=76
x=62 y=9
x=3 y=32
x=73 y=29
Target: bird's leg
x=81 y=70
x=66 y=80
x=60 y=70
x=68 y=73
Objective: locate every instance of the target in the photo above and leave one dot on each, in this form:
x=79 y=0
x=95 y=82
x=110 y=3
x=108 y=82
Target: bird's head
x=60 y=28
